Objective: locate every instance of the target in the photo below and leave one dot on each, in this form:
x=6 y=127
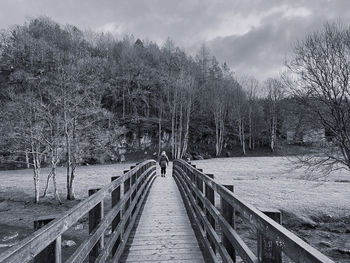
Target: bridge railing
x=127 y=193
x=217 y=225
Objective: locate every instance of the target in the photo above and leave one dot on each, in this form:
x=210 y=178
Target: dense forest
x=71 y=97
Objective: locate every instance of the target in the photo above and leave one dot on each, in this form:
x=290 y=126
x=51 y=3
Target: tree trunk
x=36 y=170
x=173 y=127
x=160 y=129
x=36 y=185
x=71 y=185
x=219 y=117
x=185 y=142
x=179 y=141
x=221 y=138
x=47 y=184
x=54 y=161
x=243 y=137
x=250 y=130
x=57 y=196
x=272 y=145
x=123 y=97
x=176 y=135
x=68 y=149
x=73 y=163
x=240 y=131
x=27 y=159
x=217 y=135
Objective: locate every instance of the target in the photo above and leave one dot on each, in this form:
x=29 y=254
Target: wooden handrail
x=138 y=179
x=191 y=180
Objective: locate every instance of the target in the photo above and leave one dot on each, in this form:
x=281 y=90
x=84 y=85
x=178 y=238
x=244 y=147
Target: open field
x=319 y=212
x=271 y=182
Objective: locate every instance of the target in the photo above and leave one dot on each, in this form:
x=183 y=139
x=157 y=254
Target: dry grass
x=18 y=184
x=17 y=191
x=261 y=181
x=271 y=182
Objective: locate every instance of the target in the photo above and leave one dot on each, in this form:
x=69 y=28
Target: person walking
x=163 y=162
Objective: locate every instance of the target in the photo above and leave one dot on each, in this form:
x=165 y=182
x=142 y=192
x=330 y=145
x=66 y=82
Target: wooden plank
x=170 y=261
x=158 y=236
x=142 y=246
x=166 y=251
x=173 y=256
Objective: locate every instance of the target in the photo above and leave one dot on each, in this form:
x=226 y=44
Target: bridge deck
x=164 y=232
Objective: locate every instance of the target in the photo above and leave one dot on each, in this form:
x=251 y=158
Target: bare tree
x=320 y=75
x=185 y=83
x=27 y=135
x=238 y=109
x=216 y=96
x=53 y=141
x=250 y=86
x=275 y=92
x=203 y=60
x=180 y=100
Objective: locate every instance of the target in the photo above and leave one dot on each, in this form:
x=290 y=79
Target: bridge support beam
x=268 y=251
x=53 y=252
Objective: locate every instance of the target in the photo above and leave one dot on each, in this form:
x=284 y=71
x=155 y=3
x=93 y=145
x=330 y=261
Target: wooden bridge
x=184 y=217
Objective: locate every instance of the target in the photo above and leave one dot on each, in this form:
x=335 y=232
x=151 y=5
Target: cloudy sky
x=253 y=36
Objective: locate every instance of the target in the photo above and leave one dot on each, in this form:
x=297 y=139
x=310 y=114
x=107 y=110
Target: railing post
x=209 y=194
x=199 y=183
x=228 y=212
x=126 y=189
x=127 y=185
x=53 y=252
x=115 y=200
x=95 y=217
x=268 y=251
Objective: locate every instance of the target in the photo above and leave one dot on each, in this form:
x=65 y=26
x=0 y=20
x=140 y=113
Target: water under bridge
x=184 y=217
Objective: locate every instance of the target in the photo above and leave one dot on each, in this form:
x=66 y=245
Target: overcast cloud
x=253 y=36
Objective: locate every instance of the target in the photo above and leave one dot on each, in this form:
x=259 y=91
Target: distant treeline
x=69 y=95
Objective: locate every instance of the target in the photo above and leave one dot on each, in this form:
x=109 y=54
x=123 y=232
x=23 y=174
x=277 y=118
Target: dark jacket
x=163 y=161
